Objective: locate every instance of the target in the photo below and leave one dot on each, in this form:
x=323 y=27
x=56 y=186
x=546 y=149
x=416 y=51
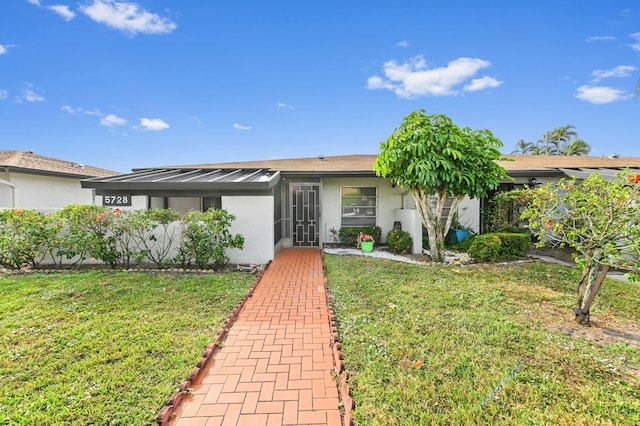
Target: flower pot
x=366 y=246
x=461 y=234
x=457 y=235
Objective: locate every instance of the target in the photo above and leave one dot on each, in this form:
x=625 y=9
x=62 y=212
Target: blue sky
x=139 y=83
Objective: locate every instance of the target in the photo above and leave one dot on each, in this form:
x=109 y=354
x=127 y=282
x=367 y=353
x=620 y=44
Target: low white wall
x=411 y=223
x=254 y=220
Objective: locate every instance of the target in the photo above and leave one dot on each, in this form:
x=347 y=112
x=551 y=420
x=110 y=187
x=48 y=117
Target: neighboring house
x=298 y=202
x=32 y=181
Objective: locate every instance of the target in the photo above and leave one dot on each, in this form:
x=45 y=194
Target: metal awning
x=606 y=173
x=197 y=179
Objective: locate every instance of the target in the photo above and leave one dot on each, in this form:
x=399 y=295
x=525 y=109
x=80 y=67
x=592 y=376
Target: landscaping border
x=341 y=375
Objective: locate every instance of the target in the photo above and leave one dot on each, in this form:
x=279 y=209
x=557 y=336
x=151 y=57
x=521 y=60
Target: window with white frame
x=358 y=205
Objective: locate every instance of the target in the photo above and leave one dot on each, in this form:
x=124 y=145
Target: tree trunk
x=589 y=285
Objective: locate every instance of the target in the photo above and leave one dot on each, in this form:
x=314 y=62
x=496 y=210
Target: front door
x=305 y=198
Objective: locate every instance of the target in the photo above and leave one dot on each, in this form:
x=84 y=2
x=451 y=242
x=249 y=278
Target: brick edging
x=174 y=400
x=342 y=377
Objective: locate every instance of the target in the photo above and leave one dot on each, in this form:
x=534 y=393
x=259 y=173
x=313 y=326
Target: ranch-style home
x=32 y=181
x=303 y=202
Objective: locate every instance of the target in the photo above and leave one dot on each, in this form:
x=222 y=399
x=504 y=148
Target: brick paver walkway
x=276 y=364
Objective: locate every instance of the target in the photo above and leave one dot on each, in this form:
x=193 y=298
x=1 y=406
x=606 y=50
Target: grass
x=442 y=345
x=104 y=348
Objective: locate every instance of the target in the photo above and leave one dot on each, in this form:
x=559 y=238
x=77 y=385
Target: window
x=358 y=206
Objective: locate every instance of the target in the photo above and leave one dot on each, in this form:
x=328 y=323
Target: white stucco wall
x=254 y=220
x=389 y=200
x=43 y=193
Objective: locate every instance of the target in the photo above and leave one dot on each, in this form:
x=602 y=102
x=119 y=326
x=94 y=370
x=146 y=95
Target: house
x=32 y=181
x=298 y=202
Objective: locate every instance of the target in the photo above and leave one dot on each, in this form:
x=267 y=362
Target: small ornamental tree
x=600 y=219
x=430 y=156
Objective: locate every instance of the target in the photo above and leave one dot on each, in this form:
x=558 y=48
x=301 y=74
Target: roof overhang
x=607 y=174
x=191 y=180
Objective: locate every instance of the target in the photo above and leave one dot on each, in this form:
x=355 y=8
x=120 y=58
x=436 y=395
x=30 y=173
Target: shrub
x=399 y=241
x=25 y=236
x=349 y=234
x=205 y=238
x=514 y=246
x=485 y=248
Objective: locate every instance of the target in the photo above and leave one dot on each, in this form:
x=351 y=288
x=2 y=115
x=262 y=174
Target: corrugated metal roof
x=196 y=178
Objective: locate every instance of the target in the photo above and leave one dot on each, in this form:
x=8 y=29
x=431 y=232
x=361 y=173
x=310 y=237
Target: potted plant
x=457 y=231
x=365 y=242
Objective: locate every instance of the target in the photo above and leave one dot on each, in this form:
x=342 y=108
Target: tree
x=575 y=148
x=559 y=141
x=600 y=219
x=430 y=156
x=523 y=147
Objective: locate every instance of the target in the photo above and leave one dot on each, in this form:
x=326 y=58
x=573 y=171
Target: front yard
x=484 y=345
x=104 y=348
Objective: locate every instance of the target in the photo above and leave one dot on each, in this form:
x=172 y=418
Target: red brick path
x=276 y=364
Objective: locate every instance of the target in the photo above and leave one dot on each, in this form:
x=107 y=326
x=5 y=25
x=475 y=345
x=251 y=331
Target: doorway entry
x=305 y=214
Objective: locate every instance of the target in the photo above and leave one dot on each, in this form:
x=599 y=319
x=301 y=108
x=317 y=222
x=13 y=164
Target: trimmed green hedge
x=349 y=234
x=493 y=246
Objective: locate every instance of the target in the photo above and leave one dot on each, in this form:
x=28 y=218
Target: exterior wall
x=254 y=220
x=389 y=200
x=43 y=193
x=412 y=224
x=469 y=213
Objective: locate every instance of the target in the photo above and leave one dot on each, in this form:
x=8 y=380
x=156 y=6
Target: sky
x=144 y=83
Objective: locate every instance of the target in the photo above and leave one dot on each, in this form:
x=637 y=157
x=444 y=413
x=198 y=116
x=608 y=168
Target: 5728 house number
x=116 y=200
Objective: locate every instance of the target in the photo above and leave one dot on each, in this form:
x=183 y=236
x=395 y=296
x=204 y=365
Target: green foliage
x=514 y=245
x=118 y=238
x=349 y=234
x=206 y=237
x=506 y=208
x=104 y=348
x=24 y=237
x=429 y=155
x=598 y=218
x=485 y=248
x=399 y=241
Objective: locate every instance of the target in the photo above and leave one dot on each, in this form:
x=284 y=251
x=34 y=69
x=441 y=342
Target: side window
x=211 y=203
x=358 y=205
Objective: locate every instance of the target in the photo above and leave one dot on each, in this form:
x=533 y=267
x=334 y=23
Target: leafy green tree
x=575 y=147
x=430 y=156
x=600 y=219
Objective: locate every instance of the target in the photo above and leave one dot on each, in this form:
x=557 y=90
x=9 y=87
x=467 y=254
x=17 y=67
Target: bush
x=349 y=234
x=485 y=248
x=509 y=246
x=514 y=246
x=399 y=241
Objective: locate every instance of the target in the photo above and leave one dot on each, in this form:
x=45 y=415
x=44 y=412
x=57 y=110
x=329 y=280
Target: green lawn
x=441 y=345
x=103 y=348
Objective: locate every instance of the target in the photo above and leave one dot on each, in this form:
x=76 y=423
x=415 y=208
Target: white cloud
x=600 y=38
x=241 y=127
x=30 y=94
x=414 y=78
x=636 y=44
x=112 y=120
x=601 y=94
x=128 y=17
x=4 y=48
x=3 y=94
x=36 y=2
x=153 y=124
x=63 y=11
x=619 y=71
x=403 y=43
x=482 y=83
x=76 y=111
x=282 y=105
